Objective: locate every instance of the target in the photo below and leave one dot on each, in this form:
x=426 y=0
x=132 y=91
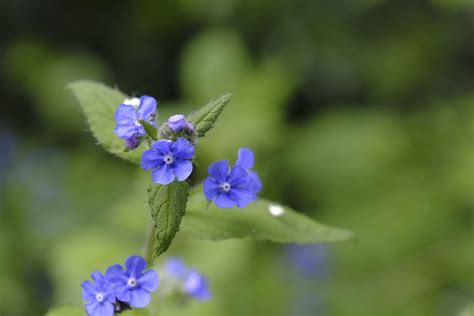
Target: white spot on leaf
x=276 y=210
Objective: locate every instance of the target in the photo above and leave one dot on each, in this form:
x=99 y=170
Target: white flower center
x=225 y=187
x=132 y=282
x=135 y=102
x=137 y=123
x=99 y=297
x=168 y=159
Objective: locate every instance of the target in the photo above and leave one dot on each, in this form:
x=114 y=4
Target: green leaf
x=205 y=118
x=67 y=310
x=255 y=221
x=99 y=103
x=168 y=205
x=137 y=312
x=150 y=130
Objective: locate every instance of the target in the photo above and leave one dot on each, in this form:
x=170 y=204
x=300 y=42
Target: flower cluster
x=190 y=281
x=236 y=186
x=120 y=288
x=171 y=159
x=128 y=116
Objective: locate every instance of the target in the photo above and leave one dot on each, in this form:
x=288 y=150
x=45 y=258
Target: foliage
x=361 y=114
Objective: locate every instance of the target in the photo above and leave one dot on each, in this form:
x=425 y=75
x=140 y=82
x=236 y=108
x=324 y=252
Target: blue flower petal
x=139 y=298
x=135 y=265
x=163 y=175
x=255 y=185
x=245 y=158
x=116 y=273
x=126 y=130
x=146 y=108
x=93 y=308
x=97 y=277
x=151 y=159
x=124 y=114
x=210 y=188
x=149 y=281
x=182 y=149
x=238 y=177
x=107 y=309
x=183 y=169
x=100 y=309
x=162 y=146
x=123 y=292
x=224 y=201
x=219 y=170
x=111 y=296
x=241 y=196
x=88 y=291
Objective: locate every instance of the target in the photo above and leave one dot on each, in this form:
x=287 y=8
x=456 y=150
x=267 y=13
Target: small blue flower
x=309 y=260
x=233 y=187
x=246 y=160
x=100 y=296
x=133 y=285
x=194 y=283
x=196 y=286
x=227 y=187
x=128 y=115
x=169 y=160
x=175 y=267
x=178 y=122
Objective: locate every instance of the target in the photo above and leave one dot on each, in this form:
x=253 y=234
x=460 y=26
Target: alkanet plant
x=225 y=206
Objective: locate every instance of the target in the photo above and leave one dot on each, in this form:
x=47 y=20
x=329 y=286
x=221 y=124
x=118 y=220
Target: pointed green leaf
x=168 y=205
x=205 y=118
x=256 y=221
x=67 y=310
x=150 y=130
x=99 y=103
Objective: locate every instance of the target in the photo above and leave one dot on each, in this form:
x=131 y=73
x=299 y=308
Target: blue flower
x=128 y=115
x=233 y=187
x=133 y=285
x=175 y=267
x=100 y=296
x=178 y=122
x=194 y=283
x=246 y=160
x=169 y=160
x=227 y=187
x=196 y=286
x=309 y=260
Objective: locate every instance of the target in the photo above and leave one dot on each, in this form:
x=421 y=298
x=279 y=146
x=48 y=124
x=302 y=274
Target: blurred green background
x=361 y=114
